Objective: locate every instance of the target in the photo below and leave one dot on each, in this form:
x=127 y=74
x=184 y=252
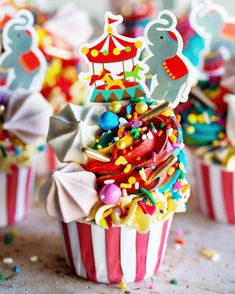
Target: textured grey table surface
x=38 y=235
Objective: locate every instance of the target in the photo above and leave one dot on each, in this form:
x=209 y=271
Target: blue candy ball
x=108 y=121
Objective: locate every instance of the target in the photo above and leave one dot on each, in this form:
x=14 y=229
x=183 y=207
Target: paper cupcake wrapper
x=47 y=162
x=15 y=190
x=215 y=189
x=116 y=254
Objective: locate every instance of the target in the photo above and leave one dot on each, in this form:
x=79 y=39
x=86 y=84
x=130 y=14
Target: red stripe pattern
x=215 y=189
x=228 y=188
x=205 y=174
x=84 y=233
x=15 y=192
x=109 y=265
x=112 y=237
x=12 y=181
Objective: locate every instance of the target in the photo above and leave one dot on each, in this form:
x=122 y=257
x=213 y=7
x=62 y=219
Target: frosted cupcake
x=125 y=173
x=24 y=116
x=208 y=117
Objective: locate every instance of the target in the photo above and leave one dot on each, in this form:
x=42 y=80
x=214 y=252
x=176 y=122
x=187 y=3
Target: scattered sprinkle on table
x=179 y=241
x=8 y=260
x=122 y=285
x=179 y=232
x=211 y=254
x=9 y=237
x=151 y=287
x=173 y=282
x=16 y=269
x=34 y=258
x=2 y=277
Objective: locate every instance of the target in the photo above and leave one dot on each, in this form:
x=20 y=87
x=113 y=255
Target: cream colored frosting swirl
x=134 y=215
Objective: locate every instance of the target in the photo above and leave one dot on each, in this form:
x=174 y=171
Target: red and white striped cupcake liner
x=215 y=189
x=116 y=254
x=15 y=193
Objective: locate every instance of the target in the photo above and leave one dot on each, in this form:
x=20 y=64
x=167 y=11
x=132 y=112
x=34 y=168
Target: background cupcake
x=24 y=115
x=58 y=42
x=208 y=118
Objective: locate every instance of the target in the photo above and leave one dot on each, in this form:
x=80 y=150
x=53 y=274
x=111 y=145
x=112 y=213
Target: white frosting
x=27 y=116
x=63 y=22
x=230 y=124
x=70 y=193
x=71 y=130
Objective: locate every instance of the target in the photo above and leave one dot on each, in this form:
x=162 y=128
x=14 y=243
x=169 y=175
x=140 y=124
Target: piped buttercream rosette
x=70 y=193
x=71 y=130
x=26 y=115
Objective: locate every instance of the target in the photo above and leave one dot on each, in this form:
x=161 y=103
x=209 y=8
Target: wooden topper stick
x=156 y=111
x=198 y=94
x=95 y=154
x=163 y=168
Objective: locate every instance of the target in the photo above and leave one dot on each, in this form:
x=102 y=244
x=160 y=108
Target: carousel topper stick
x=163 y=168
x=199 y=95
x=95 y=154
x=22 y=65
x=156 y=111
x=213 y=22
x=166 y=61
x=114 y=69
x=230 y=125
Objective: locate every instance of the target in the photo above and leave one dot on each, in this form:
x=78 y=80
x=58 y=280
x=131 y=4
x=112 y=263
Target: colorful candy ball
x=110 y=194
x=108 y=121
x=141 y=107
x=115 y=106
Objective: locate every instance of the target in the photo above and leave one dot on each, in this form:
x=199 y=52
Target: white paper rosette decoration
x=26 y=115
x=71 y=130
x=70 y=193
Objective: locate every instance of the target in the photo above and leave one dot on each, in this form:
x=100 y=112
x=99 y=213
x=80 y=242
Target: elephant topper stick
x=213 y=22
x=165 y=61
x=22 y=65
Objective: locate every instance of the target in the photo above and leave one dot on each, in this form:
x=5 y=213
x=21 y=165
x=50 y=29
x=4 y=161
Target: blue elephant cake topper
x=169 y=71
x=22 y=65
x=212 y=22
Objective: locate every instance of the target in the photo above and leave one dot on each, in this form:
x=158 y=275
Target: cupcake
x=209 y=134
x=208 y=118
x=124 y=177
x=24 y=116
x=207 y=121
x=56 y=37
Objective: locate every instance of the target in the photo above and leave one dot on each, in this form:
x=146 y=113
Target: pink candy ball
x=110 y=194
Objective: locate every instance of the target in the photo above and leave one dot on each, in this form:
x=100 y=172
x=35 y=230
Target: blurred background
x=102 y=5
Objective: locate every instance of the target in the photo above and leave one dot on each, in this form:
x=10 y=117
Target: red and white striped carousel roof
x=111 y=47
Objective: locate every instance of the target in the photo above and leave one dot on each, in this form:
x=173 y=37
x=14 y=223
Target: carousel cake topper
x=167 y=65
x=22 y=65
x=213 y=22
x=115 y=71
